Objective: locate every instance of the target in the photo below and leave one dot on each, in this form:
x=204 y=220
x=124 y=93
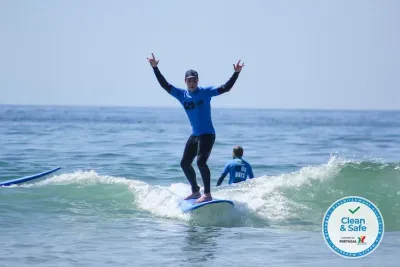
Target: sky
x=298 y=54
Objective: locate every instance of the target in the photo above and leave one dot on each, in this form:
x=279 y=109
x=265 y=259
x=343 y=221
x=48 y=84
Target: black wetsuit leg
x=206 y=143
x=200 y=146
x=186 y=163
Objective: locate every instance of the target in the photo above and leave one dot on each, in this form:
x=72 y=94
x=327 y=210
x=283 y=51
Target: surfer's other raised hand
x=153 y=62
x=238 y=67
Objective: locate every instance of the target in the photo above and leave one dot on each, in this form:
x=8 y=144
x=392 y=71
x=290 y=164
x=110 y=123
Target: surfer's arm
x=229 y=84
x=223 y=174
x=220 y=180
x=175 y=92
x=217 y=90
x=162 y=81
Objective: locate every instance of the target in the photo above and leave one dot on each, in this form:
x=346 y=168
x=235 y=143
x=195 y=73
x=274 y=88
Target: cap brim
x=191 y=77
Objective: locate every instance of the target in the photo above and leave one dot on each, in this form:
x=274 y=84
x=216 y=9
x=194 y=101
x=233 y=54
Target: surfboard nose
x=28 y=178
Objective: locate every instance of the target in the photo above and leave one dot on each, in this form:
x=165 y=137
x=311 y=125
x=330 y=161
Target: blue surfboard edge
x=193 y=206
x=28 y=178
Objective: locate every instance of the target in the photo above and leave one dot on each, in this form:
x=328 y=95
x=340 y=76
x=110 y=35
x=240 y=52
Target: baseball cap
x=191 y=74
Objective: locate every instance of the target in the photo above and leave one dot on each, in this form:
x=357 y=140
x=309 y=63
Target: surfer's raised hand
x=238 y=67
x=153 y=62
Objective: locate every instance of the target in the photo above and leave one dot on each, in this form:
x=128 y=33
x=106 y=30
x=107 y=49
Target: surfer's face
x=191 y=83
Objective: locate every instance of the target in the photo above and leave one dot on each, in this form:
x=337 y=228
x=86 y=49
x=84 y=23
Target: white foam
x=159 y=200
x=83 y=178
x=261 y=198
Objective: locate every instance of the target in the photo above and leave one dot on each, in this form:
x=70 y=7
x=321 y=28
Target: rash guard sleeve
x=229 y=84
x=224 y=174
x=218 y=90
x=172 y=90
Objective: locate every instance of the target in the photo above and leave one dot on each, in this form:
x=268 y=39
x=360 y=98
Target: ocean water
x=114 y=202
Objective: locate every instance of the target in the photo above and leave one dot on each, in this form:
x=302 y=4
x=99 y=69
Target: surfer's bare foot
x=204 y=198
x=193 y=196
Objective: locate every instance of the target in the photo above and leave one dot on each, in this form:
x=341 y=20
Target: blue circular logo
x=353 y=227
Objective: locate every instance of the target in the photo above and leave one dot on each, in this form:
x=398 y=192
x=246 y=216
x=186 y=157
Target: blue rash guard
x=197 y=105
x=239 y=170
x=198 y=108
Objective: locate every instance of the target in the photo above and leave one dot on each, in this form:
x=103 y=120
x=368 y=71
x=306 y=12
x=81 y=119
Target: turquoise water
x=114 y=202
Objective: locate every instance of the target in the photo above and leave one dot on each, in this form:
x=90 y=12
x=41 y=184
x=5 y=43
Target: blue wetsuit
x=239 y=170
x=198 y=109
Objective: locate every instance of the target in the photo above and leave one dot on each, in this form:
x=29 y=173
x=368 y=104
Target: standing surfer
x=196 y=102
